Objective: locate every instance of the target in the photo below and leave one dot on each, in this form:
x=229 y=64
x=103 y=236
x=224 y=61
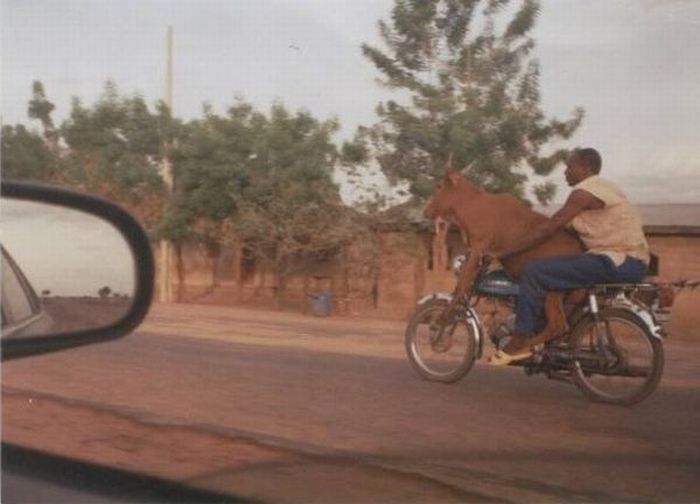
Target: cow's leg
x=557 y=325
x=467 y=275
x=538 y=296
x=556 y=319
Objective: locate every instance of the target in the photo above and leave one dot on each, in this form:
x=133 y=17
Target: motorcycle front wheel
x=440 y=353
x=616 y=360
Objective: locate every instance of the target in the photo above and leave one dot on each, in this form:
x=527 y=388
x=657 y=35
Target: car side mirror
x=76 y=270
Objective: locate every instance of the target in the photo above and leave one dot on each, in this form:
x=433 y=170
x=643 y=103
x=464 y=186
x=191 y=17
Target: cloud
x=668 y=2
x=666 y=173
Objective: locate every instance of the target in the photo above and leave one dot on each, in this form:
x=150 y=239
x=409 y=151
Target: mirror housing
x=138 y=244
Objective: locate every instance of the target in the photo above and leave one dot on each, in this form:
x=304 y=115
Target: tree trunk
x=214 y=252
x=180 y=266
x=346 y=282
x=305 y=306
x=280 y=282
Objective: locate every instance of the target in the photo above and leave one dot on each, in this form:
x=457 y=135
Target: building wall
x=231 y=280
x=411 y=265
x=680 y=259
x=401 y=266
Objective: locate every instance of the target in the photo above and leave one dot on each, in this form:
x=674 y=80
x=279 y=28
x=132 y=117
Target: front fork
x=442 y=330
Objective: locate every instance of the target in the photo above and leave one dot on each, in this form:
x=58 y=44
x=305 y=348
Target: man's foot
x=517 y=348
x=501 y=358
x=516 y=344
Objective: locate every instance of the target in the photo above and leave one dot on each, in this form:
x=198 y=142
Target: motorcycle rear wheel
x=442 y=359
x=629 y=366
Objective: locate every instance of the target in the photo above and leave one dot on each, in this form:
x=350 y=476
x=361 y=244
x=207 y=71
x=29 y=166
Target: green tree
x=470 y=87
x=40 y=108
x=25 y=155
x=210 y=164
x=264 y=181
x=291 y=209
x=175 y=226
x=114 y=148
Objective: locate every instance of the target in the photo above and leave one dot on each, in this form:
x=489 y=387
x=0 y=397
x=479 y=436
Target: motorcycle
x=613 y=351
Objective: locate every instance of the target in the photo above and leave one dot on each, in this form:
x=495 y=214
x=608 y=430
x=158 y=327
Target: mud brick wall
x=680 y=258
x=411 y=265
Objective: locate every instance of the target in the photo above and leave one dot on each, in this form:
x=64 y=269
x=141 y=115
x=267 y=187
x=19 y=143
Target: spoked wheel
x=438 y=353
x=616 y=360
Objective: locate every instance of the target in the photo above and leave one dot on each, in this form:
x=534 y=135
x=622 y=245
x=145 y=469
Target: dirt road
x=290 y=408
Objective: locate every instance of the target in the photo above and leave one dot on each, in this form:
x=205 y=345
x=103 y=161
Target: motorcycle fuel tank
x=496 y=283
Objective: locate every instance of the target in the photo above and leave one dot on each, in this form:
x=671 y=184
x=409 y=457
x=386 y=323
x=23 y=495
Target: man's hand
x=487 y=258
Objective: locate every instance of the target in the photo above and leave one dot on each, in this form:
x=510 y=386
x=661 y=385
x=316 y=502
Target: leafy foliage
x=291 y=206
x=471 y=89
x=467 y=84
x=114 y=148
x=40 y=108
x=264 y=180
x=25 y=155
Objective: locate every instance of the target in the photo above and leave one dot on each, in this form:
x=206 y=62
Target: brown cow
x=492 y=222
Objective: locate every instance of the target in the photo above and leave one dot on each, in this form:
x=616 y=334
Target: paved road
x=495 y=434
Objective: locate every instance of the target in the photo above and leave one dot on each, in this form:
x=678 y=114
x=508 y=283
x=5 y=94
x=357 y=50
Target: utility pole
x=165 y=292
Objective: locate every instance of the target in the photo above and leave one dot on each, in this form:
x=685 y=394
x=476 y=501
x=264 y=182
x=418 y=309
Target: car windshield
x=309 y=174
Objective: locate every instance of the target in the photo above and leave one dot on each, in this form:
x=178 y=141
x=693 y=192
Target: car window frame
x=10 y=325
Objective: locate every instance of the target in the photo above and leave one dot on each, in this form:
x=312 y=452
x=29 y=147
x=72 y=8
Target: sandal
x=500 y=358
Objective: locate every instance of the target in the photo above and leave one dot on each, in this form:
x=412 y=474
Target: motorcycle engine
x=501 y=330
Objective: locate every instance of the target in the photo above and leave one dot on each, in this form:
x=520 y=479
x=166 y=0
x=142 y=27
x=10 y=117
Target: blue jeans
x=564 y=273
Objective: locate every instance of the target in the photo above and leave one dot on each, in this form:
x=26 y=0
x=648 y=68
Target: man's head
x=582 y=163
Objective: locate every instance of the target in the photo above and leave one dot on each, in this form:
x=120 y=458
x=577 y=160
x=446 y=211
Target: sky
x=73 y=254
x=633 y=65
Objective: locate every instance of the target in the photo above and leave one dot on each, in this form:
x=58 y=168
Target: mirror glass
x=62 y=270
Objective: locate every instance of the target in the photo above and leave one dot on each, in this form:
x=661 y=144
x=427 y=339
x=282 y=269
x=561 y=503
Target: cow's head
x=447 y=195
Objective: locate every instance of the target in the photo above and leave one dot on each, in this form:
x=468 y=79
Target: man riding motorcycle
x=610 y=228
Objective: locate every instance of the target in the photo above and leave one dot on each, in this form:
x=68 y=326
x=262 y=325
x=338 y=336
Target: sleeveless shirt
x=614 y=230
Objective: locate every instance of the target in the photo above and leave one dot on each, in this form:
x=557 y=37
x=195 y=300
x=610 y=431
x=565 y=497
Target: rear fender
x=643 y=314
x=622 y=303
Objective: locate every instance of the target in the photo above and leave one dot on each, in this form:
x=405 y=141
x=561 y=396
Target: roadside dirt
x=341 y=335
x=81 y=313
x=202 y=460
x=348 y=336
x=94 y=401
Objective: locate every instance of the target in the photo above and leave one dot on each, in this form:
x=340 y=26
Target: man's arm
x=578 y=201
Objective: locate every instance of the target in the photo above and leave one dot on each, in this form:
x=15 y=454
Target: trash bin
x=321 y=304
